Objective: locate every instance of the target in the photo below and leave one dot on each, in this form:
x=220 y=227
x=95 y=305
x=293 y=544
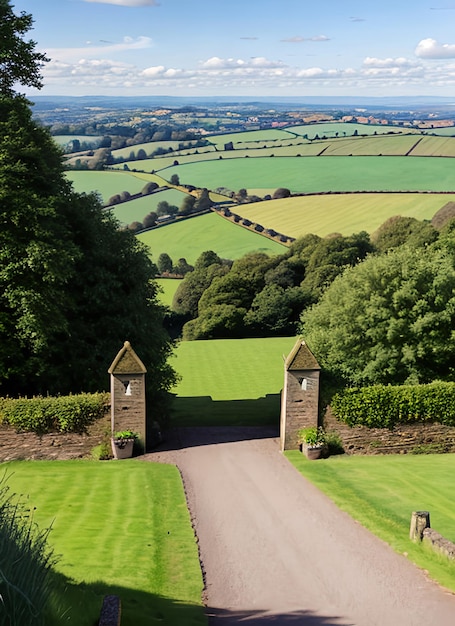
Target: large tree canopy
x=73 y=286
x=390 y=319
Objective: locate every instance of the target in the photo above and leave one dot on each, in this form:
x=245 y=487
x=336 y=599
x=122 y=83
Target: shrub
x=62 y=414
x=382 y=406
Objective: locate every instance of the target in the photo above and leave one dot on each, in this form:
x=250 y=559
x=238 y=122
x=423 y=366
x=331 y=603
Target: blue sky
x=245 y=47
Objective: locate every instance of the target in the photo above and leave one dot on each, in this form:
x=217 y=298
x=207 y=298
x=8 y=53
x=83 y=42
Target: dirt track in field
x=275 y=550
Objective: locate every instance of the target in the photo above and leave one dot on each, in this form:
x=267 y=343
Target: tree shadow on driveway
x=223 y=617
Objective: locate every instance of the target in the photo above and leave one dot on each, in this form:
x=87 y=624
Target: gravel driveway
x=275 y=550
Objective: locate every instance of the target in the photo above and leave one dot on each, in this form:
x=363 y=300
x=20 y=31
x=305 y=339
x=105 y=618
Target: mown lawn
x=381 y=492
x=120 y=527
x=233 y=382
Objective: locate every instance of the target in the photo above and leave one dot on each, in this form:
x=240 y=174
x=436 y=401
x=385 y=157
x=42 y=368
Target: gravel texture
x=275 y=550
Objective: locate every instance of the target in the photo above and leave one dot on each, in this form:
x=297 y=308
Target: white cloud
x=389 y=62
x=91 y=51
x=127 y=3
x=257 y=74
x=299 y=39
x=432 y=49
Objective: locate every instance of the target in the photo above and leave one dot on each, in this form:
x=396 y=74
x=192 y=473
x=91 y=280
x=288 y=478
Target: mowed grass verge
x=381 y=492
x=229 y=382
x=120 y=527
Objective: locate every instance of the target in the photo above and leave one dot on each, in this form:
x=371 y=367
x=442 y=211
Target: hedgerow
x=382 y=406
x=68 y=414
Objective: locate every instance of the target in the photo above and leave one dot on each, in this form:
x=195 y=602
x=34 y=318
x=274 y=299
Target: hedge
x=382 y=406
x=65 y=414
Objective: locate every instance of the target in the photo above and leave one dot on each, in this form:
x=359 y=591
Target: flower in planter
x=313 y=436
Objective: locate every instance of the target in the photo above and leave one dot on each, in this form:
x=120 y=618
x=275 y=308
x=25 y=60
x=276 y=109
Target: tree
x=175 y=180
x=73 y=286
x=19 y=62
x=398 y=230
x=187 y=205
x=390 y=319
x=281 y=192
x=150 y=219
x=164 y=263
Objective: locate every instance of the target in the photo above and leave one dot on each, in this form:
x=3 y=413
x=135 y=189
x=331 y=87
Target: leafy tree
x=203 y=202
x=399 y=230
x=19 y=61
x=183 y=267
x=281 y=192
x=164 y=263
x=175 y=180
x=73 y=286
x=187 y=205
x=148 y=188
x=150 y=219
x=270 y=312
x=390 y=319
x=186 y=298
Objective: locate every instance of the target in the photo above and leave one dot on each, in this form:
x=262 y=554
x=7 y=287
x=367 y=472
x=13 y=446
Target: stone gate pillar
x=300 y=397
x=128 y=393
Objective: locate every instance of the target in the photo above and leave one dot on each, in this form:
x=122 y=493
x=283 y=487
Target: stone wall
x=54 y=446
x=403 y=439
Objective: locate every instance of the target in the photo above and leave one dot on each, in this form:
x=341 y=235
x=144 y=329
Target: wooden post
x=110 y=611
x=419 y=521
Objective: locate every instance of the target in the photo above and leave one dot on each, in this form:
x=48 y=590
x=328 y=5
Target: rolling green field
x=316 y=174
x=122 y=527
x=381 y=492
x=168 y=288
x=191 y=237
x=343 y=213
x=105 y=183
x=229 y=381
x=135 y=210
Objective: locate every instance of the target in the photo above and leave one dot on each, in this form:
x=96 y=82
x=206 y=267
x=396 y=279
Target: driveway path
x=275 y=550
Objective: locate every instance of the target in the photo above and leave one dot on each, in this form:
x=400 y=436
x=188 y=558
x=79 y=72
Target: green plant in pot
x=123 y=443
x=313 y=442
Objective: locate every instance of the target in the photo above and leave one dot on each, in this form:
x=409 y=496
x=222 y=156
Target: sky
x=245 y=47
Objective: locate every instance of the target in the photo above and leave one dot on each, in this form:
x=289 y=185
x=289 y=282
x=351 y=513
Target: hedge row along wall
x=65 y=414
x=381 y=406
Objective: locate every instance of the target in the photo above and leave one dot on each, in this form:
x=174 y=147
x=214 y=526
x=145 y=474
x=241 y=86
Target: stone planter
x=313 y=453
x=122 y=448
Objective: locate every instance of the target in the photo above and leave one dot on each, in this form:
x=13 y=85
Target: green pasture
x=381 y=492
x=135 y=210
x=168 y=287
x=148 y=147
x=249 y=136
x=121 y=527
x=371 y=145
x=106 y=183
x=189 y=238
x=63 y=140
x=341 y=213
x=229 y=381
x=316 y=174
